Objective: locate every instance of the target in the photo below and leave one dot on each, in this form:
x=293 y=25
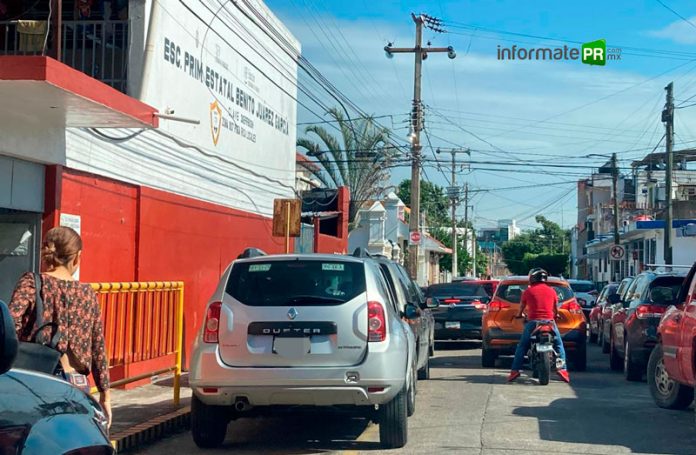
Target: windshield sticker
x=259 y=267
x=333 y=267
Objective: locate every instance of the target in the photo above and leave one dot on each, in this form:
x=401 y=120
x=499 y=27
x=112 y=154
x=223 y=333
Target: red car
x=672 y=364
x=596 y=319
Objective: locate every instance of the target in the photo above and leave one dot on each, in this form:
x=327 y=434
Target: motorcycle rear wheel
x=544 y=367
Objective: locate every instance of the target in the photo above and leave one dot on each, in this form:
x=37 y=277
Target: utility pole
x=453 y=192
x=668 y=119
x=421 y=54
x=466 y=218
x=614 y=184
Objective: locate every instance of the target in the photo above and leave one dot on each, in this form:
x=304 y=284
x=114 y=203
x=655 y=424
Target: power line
x=676 y=13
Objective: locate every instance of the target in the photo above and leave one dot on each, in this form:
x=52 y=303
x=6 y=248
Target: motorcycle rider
x=541 y=303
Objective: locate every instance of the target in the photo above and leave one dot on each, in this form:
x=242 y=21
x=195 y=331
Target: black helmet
x=538 y=275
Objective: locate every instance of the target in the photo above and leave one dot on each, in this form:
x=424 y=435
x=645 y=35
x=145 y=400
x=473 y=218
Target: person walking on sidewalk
x=73 y=309
x=541 y=303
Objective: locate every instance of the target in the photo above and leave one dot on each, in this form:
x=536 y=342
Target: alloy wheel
x=663 y=382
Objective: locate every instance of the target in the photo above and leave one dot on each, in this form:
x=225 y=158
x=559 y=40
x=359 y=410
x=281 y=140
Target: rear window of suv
x=460 y=289
x=512 y=292
x=296 y=283
x=582 y=287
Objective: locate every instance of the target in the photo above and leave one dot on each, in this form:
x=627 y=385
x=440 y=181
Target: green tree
x=434 y=202
x=359 y=159
x=547 y=245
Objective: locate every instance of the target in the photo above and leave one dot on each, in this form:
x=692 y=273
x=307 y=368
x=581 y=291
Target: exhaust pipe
x=241 y=404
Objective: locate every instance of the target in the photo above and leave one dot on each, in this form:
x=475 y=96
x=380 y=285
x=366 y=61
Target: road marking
x=370 y=432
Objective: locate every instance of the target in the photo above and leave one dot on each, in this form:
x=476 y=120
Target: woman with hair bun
x=72 y=307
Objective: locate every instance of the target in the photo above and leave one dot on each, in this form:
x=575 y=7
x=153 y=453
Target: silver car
x=302 y=330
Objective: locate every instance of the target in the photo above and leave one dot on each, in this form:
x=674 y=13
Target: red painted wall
x=134 y=233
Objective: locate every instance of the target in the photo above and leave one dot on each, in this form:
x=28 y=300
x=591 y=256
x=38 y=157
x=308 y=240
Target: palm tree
x=360 y=159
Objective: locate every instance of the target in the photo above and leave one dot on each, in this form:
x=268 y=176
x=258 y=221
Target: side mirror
x=8 y=339
x=411 y=311
x=431 y=303
x=613 y=299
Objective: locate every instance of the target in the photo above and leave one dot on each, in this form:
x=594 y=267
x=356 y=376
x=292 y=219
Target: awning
x=42 y=91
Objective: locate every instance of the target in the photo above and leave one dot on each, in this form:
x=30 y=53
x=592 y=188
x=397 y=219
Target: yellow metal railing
x=143 y=321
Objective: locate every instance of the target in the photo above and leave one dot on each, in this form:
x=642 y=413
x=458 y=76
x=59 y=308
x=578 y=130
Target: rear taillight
x=479 y=305
x=448 y=301
x=572 y=306
x=212 y=323
x=497 y=305
x=649 y=311
x=376 y=322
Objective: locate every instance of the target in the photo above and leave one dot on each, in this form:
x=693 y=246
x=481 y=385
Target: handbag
x=36 y=355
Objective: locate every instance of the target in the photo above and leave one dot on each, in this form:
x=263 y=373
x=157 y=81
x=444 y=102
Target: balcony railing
x=97 y=48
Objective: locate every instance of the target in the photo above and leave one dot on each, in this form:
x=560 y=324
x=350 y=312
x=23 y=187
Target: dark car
x=635 y=324
x=459 y=307
x=609 y=308
x=405 y=291
x=41 y=414
x=596 y=319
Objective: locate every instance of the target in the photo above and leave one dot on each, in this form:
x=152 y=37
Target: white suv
x=302 y=330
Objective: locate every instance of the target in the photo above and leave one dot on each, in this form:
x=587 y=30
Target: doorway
x=19 y=247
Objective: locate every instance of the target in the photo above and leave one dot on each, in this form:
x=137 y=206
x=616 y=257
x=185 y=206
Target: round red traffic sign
x=415 y=237
x=617 y=252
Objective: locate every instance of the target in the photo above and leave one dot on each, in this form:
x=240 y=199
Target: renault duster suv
x=502 y=331
x=289 y=331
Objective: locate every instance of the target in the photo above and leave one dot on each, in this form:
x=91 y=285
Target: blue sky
x=520 y=113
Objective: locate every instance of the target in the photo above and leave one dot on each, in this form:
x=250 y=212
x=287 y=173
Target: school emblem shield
x=215 y=121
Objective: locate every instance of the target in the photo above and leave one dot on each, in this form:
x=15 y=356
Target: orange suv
x=501 y=330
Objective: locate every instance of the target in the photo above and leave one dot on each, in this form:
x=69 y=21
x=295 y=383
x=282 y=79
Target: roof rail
x=251 y=253
x=361 y=253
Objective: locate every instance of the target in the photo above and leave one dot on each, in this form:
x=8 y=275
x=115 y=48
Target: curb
x=151 y=430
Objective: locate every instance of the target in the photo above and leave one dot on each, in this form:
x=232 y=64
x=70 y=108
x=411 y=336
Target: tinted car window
x=664 y=290
x=582 y=287
x=457 y=289
x=297 y=283
x=513 y=292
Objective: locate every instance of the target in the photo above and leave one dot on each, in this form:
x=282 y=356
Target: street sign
x=286 y=217
x=617 y=252
x=415 y=238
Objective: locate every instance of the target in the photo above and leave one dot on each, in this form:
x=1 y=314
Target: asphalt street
x=465 y=409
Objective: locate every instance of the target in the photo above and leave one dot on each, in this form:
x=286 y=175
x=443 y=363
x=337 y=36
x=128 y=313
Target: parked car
x=610 y=308
x=284 y=331
x=502 y=331
x=596 y=314
x=41 y=413
x=585 y=294
x=671 y=368
x=635 y=324
x=458 y=308
x=404 y=291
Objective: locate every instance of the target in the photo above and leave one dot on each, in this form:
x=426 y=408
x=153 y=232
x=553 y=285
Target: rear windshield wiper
x=313 y=299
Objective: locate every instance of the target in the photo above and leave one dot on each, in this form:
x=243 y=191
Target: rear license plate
x=452 y=324
x=544 y=348
x=292 y=347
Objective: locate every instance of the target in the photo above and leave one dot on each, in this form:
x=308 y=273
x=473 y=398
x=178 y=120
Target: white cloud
x=678 y=31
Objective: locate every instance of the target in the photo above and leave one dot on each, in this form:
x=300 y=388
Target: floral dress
x=75 y=308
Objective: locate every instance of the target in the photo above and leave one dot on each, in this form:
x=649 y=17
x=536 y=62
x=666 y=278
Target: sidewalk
x=147 y=413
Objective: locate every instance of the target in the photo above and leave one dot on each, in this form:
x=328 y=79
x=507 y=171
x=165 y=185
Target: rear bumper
x=312 y=386
x=466 y=330
x=506 y=342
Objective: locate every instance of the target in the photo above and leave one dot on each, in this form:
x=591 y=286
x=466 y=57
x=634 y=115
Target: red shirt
x=540 y=300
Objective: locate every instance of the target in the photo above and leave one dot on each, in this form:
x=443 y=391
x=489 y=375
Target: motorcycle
x=542 y=356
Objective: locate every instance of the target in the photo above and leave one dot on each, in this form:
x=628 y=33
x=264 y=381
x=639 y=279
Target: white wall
x=234 y=84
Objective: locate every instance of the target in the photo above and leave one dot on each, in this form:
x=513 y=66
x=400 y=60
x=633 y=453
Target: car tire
x=393 y=425
x=579 y=360
x=632 y=371
x=600 y=337
x=424 y=373
x=615 y=362
x=488 y=358
x=208 y=424
x=666 y=392
x=431 y=348
x=411 y=396
x=605 y=344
